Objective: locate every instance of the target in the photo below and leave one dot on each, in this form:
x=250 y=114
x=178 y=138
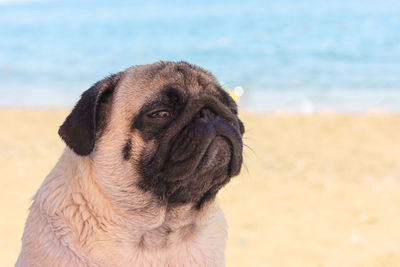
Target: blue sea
x=302 y=55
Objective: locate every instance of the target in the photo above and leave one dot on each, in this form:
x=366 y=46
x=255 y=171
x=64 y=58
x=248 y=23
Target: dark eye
x=160 y=114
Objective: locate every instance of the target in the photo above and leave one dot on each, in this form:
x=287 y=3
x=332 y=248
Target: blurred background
x=319 y=87
x=300 y=55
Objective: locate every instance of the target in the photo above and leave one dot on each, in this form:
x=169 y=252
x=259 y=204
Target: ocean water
x=288 y=54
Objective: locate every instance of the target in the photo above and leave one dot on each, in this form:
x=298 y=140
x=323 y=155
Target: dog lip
x=175 y=173
x=217 y=138
x=218 y=129
x=235 y=140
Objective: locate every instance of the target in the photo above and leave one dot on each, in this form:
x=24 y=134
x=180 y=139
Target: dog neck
x=80 y=205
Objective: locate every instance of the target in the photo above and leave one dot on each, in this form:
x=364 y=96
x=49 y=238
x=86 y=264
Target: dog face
x=167 y=129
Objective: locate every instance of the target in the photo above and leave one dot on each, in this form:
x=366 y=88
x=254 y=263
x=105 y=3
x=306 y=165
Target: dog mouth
x=203 y=147
x=219 y=152
x=217 y=159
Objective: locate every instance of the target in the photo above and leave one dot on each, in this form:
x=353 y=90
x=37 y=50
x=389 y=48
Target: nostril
x=207 y=114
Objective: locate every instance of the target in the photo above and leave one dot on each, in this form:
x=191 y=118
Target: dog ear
x=88 y=118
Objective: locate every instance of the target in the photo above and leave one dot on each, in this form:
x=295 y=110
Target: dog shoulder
x=50 y=239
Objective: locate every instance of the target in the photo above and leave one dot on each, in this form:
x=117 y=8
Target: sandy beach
x=315 y=190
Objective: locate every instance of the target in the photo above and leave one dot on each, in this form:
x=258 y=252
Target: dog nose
x=207 y=114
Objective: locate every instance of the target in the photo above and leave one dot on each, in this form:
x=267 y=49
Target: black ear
x=88 y=118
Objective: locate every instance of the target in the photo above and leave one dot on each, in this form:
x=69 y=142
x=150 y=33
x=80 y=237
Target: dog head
x=167 y=129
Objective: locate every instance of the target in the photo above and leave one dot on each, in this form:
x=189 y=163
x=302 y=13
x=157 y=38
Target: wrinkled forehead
x=141 y=84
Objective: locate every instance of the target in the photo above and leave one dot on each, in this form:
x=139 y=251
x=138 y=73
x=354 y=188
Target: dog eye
x=160 y=114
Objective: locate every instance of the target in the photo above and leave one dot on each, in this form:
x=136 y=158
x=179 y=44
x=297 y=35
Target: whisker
x=251 y=149
x=225 y=83
x=245 y=166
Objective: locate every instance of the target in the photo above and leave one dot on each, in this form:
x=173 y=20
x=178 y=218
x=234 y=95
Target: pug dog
x=147 y=151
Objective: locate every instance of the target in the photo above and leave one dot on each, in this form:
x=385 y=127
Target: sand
x=314 y=191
